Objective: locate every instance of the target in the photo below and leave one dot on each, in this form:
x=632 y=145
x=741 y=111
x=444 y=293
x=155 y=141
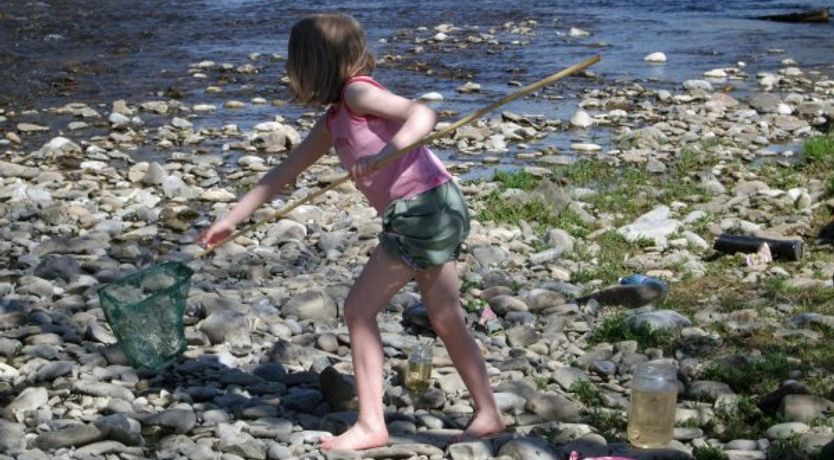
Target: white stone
x=586 y=147
x=220 y=195
x=577 y=32
x=656 y=57
x=581 y=119
x=181 y=123
x=715 y=73
x=431 y=97
x=118 y=120
x=440 y=36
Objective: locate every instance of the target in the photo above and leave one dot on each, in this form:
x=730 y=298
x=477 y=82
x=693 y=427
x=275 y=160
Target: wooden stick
x=426 y=140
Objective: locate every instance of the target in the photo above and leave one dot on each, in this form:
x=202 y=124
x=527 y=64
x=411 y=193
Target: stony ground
x=267 y=366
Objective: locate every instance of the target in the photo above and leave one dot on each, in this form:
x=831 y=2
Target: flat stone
x=786 y=430
x=76 y=435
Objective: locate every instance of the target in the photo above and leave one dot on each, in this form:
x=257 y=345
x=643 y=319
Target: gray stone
x=503 y=304
x=179 y=421
x=510 y=402
x=566 y=377
x=76 y=435
x=560 y=240
x=528 y=448
x=659 y=320
x=474 y=450
x=311 y=305
x=12 y=437
x=9 y=347
x=56 y=266
x=805 y=408
x=339 y=389
x=709 y=390
x=522 y=336
x=108 y=390
x=787 y=430
x=222 y=324
x=118 y=427
x=155 y=174
x=234 y=441
x=52 y=370
x=275 y=451
x=765 y=102
x=303 y=399
x=30 y=398
x=554 y=407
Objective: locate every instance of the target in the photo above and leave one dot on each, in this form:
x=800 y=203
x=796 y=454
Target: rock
x=179 y=421
x=628 y=296
x=553 y=407
x=503 y=304
x=581 y=119
x=765 y=102
x=55 y=266
x=12 y=437
x=118 y=120
x=311 y=305
x=473 y=450
x=119 y=427
x=237 y=442
x=76 y=435
x=52 y=370
x=577 y=32
x=698 y=85
x=528 y=448
x=29 y=128
x=559 y=239
x=585 y=147
x=181 y=123
x=102 y=389
x=287 y=230
x=805 y=408
x=566 y=377
x=469 y=87
x=223 y=323
x=709 y=390
x=786 y=430
x=60 y=146
x=659 y=320
x=339 y=390
x=158 y=107
x=29 y=399
x=431 y=97
x=656 y=57
x=655 y=225
x=155 y=174
x=218 y=195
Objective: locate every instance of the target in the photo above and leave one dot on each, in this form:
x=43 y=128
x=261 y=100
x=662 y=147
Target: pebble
x=656 y=57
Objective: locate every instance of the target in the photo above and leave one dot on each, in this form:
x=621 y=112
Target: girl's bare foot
x=358 y=437
x=483 y=425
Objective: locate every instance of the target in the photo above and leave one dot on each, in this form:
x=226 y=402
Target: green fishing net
x=145 y=311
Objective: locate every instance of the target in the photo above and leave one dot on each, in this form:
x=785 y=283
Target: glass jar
x=418 y=373
x=651 y=413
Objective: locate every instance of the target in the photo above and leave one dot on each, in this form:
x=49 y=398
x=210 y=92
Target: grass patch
x=587 y=393
x=752 y=376
x=520 y=180
x=608 y=264
x=615 y=329
x=819 y=151
x=745 y=421
x=611 y=424
x=819 y=299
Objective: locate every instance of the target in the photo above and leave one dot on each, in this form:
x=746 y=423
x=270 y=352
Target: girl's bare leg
x=440 y=290
x=381 y=278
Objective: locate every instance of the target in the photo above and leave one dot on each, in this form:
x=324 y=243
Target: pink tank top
x=356 y=136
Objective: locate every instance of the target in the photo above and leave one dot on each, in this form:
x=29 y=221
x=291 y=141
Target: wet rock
x=656 y=57
x=581 y=119
x=29 y=128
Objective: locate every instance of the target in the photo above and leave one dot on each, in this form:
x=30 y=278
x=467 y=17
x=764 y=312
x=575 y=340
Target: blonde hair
x=324 y=51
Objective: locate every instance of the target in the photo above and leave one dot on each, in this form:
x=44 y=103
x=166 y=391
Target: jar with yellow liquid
x=651 y=413
x=418 y=372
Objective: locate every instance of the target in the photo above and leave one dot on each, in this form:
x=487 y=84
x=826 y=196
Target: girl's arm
x=418 y=120
x=313 y=147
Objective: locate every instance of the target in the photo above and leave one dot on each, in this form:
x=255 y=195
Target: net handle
x=425 y=140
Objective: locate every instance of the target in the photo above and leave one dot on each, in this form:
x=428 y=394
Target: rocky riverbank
x=267 y=369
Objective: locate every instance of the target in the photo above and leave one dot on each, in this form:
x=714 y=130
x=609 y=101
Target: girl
x=424 y=216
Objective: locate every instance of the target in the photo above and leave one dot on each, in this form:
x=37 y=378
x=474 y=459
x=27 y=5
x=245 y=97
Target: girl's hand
x=364 y=166
x=216 y=233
